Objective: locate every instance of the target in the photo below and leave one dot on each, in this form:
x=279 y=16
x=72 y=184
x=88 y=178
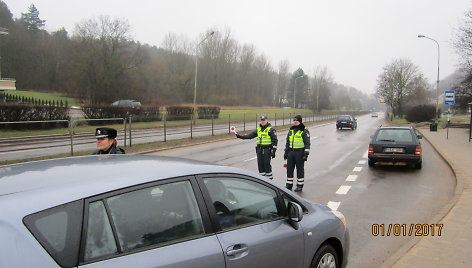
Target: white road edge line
x=333 y=205
x=361 y=162
x=357 y=169
x=343 y=189
x=314 y=138
x=365 y=155
x=250 y=159
x=351 y=178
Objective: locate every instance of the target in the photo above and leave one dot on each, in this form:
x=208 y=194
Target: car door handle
x=236 y=249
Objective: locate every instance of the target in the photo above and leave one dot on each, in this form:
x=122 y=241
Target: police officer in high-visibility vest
x=266 y=145
x=297 y=150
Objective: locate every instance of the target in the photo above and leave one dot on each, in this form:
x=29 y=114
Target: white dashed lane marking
x=351 y=178
x=314 y=138
x=357 y=169
x=343 y=189
x=250 y=159
x=365 y=155
x=333 y=205
x=361 y=162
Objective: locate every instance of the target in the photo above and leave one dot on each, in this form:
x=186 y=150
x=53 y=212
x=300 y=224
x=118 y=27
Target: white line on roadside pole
x=351 y=178
x=357 y=169
x=250 y=159
x=361 y=162
x=343 y=189
x=333 y=205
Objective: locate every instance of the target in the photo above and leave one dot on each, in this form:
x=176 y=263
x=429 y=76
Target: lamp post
x=3 y=31
x=294 y=88
x=437 y=81
x=196 y=72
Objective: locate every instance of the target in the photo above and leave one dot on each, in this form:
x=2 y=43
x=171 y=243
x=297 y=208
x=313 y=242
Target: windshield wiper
x=388 y=140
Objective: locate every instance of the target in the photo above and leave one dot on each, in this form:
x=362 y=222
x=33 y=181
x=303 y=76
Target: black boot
x=289 y=186
x=299 y=188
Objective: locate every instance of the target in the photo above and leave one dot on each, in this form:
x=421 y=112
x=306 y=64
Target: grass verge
x=43 y=96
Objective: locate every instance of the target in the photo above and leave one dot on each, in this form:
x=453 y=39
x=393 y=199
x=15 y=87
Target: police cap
x=105 y=132
x=298 y=118
x=264 y=117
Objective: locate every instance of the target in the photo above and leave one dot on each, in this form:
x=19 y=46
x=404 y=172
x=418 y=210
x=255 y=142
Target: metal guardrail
x=151 y=134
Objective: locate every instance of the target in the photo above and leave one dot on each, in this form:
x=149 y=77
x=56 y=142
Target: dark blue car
x=346 y=121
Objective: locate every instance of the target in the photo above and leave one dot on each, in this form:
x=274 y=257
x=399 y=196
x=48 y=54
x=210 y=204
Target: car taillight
x=371 y=149
x=418 y=150
x=350 y=123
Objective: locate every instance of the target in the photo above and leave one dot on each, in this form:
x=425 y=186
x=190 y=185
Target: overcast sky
x=353 y=38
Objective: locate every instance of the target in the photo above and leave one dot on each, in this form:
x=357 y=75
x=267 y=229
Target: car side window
x=100 y=241
x=58 y=230
x=155 y=215
x=240 y=201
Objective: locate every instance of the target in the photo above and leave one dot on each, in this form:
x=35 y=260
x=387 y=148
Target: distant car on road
x=395 y=145
x=374 y=114
x=133 y=104
x=143 y=211
x=346 y=121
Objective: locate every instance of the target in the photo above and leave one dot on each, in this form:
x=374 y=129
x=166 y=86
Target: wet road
x=337 y=174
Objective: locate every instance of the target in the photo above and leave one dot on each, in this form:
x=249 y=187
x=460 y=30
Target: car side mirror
x=420 y=136
x=295 y=214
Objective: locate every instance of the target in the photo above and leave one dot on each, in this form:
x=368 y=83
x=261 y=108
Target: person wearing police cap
x=297 y=149
x=106 y=141
x=266 y=146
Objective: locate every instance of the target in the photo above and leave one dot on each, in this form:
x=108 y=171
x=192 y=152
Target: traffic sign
x=233 y=129
x=449 y=97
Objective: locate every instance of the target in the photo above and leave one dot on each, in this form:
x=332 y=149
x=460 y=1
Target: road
x=337 y=174
x=36 y=146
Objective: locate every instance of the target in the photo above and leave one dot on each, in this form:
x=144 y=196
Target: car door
x=158 y=225
x=254 y=231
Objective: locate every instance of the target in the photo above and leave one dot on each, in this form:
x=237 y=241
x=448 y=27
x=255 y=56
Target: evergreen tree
x=31 y=19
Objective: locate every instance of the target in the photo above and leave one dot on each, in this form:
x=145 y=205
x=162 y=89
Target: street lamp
x=437 y=81
x=295 y=87
x=3 y=31
x=196 y=72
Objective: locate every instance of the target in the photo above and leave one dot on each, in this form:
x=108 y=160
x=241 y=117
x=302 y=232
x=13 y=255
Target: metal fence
x=128 y=134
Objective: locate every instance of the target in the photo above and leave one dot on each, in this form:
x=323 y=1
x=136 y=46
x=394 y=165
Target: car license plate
x=344 y=122
x=393 y=150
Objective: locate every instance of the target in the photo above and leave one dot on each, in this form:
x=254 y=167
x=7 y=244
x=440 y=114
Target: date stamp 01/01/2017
x=407 y=229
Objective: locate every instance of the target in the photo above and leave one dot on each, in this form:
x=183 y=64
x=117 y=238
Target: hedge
x=144 y=114
x=175 y=113
x=19 y=112
x=421 y=113
x=208 y=112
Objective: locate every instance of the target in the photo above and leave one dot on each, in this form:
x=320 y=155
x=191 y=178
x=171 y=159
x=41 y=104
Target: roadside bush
x=175 y=113
x=18 y=112
x=144 y=114
x=421 y=113
x=208 y=112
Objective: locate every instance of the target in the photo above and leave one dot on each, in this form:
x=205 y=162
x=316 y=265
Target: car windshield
x=344 y=118
x=394 y=135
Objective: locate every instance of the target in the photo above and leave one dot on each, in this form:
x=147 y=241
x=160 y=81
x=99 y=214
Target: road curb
x=393 y=259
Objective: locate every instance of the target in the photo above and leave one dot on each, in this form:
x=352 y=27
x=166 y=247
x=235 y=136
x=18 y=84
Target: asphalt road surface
x=337 y=174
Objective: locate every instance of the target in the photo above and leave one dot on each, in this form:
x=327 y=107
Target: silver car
x=137 y=211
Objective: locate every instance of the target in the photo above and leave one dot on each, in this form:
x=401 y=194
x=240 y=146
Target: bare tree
x=463 y=44
x=321 y=80
x=396 y=83
x=283 y=77
x=106 y=55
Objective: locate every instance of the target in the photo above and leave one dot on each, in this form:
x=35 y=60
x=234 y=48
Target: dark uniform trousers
x=295 y=159
x=263 y=160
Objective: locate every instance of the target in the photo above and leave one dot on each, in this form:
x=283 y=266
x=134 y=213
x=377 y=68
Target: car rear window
x=344 y=118
x=58 y=230
x=394 y=135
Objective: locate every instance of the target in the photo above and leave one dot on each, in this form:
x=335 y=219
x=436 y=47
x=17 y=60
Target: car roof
x=68 y=179
x=396 y=127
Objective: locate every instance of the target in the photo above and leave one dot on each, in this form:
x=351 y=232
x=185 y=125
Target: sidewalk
x=454 y=247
